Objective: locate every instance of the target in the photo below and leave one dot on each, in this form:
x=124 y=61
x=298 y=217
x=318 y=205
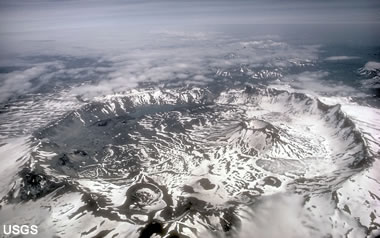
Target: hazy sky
x=29 y=15
x=82 y=21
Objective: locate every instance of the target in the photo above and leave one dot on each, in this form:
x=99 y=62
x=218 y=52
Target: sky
x=34 y=15
x=81 y=21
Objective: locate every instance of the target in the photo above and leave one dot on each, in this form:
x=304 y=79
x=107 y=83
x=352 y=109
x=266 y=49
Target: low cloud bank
x=342 y=57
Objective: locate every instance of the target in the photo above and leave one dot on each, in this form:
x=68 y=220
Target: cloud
x=279 y=215
x=276 y=216
x=19 y=81
x=185 y=35
x=264 y=44
x=342 y=57
x=316 y=82
x=185 y=58
x=41 y=74
x=371 y=66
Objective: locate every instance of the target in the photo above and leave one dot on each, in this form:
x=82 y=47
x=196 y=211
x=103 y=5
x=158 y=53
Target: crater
x=250 y=142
